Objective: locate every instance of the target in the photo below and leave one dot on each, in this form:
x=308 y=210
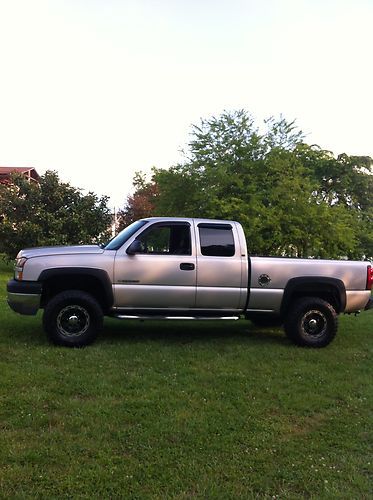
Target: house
x=30 y=174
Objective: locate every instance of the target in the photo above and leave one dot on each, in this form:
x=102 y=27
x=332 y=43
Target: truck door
x=162 y=274
x=219 y=266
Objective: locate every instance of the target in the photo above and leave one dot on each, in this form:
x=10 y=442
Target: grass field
x=180 y=410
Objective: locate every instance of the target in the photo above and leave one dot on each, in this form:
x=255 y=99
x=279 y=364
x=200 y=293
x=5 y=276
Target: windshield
x=123 y=236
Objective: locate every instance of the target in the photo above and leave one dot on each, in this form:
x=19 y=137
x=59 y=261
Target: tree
x=346 y=182
x=291 y=198
x=139 y=205
x=235 y=172
x=53 y=213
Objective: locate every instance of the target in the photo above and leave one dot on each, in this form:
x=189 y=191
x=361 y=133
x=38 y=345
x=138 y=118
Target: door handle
x=186 y=266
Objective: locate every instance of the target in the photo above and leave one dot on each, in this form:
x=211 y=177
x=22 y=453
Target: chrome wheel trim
x=73 y=321
x=314 y=324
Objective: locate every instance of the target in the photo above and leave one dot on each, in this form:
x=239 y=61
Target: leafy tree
x=346 y=182
x=292 y=199
x=139 y=205
x=54 y=213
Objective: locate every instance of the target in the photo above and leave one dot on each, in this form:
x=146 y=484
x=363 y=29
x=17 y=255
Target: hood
x=62 y=250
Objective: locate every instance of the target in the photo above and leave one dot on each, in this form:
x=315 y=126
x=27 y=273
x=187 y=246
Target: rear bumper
x=24 y=296
x=369 y=304
x=357 y=300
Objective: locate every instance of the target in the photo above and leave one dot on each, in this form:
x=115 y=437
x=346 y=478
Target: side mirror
x=135 y=247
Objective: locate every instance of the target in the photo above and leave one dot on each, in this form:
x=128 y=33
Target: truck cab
x=183 y=264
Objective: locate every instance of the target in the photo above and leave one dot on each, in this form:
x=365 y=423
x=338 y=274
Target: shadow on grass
x=29 y=331
x=118 y=331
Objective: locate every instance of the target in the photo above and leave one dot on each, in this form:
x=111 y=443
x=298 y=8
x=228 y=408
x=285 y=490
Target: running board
x=183 y=318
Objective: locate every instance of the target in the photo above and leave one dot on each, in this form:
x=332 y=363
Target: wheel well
x=328 y=296
x=89 y=284
x=330 y=290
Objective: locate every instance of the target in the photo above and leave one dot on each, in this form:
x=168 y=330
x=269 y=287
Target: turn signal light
x=18 y=271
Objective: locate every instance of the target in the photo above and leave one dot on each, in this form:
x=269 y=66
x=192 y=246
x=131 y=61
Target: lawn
x=181 y=410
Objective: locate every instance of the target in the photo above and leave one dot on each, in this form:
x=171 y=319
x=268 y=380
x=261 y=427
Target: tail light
x=369 y=277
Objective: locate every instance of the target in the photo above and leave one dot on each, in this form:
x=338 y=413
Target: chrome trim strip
x=183 y=318
x=260 y=310
x=220 y=310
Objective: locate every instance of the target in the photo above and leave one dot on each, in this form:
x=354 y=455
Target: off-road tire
x=72 y=319
x=311 y=322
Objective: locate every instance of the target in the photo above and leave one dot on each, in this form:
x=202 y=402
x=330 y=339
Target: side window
x=216 y=240
x=166 y=239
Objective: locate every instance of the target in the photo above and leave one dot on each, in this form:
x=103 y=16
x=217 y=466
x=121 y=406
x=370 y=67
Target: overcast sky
x=97 y=89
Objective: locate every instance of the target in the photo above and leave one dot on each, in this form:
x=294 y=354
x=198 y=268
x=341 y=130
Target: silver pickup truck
x=180 y=268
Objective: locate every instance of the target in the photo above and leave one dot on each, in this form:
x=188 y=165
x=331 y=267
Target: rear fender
x=330 y=289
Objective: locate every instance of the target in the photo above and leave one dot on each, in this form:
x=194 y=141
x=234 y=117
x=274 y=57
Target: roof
x=197 y=220
x=29 y=172
x=20 y=170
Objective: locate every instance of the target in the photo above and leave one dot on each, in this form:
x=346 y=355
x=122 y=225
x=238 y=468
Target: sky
x=99 y=89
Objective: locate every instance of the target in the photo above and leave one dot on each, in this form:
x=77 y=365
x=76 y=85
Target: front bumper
x=369 y=304
x=24 y=296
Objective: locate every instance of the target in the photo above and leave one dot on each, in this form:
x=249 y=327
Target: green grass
x=181 y=410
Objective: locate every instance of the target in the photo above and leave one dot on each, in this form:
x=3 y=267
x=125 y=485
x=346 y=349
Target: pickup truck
x=183 y=268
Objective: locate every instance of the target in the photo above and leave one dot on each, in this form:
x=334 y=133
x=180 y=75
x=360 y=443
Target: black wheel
x=311 y=322
x=72 y=319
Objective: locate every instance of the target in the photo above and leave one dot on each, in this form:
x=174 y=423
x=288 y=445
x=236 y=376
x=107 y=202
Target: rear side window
x=216 y=240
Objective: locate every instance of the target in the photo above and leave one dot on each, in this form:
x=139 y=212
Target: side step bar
x=183 y=318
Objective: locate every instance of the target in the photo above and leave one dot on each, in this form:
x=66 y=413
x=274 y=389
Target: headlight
x=18 y=270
